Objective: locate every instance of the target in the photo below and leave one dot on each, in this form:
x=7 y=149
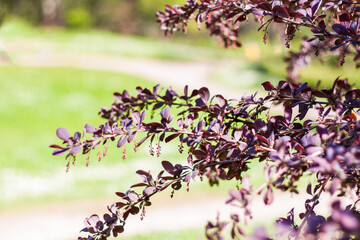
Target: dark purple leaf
x=281 y=11
x=58 y=152
x=268 y=198
x=302 y=87
x=171 y=137
x=134 y=210
x=142 y=141
x=158 y=105
x=168 y=167
x=56 y=146
x=138 y=185
x=288 y=113
x=267 y=86
x=204 y=95
x=345 y=18
x=260 y=125
x=116 y=230
x=308 y=189
x=340 y=29
x=186 y=89
x=120 y=194
x=337 y=46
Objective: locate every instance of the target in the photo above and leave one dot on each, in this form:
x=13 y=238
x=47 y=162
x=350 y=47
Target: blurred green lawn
x=35 y=101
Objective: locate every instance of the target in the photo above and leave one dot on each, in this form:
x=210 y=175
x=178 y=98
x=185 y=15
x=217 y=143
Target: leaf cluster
x=334 y=25
x=317 y=134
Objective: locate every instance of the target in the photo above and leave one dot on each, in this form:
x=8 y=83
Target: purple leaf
x=91 y=221
x=260 y=125
x=56 y=146
x=267 y=86
x=149 y=190
x=138 y=185
x=337 y=46
x=63 y=133
x=168 y=167
x=268 y=198
x=133 y=196
x=302 y=87
x=204 y=95
x=75 y=150
x=77 y=136
x=315 y=6
x=236 y=194
x=221 y=101
x=281 y=11
x=340 y=29
x=122 y=141
x=288 y=113
x=308 y=189
x=142 y=116
x=186 y=89
x=345 y=18
x=158 y=105
x=238 y=134
x=58 y=152
x=89 y=128
x=171 y=137
x=349 y=222
x=143 y=175
x=136 y=117
x=165 y=113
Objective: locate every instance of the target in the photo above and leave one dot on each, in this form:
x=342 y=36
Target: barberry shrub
x=316 y=134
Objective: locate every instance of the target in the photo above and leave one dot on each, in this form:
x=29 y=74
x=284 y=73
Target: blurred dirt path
x=176 y=74
x=62 y=221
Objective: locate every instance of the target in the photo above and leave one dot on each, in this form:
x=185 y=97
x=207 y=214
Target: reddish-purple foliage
x=318 y=133
x=335 y=25
x=229 y=136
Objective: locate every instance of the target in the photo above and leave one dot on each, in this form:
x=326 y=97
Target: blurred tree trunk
x=128 y=24
x=51 y=10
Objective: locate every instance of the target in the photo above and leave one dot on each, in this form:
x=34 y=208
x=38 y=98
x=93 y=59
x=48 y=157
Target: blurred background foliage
x=101 y=22
x=125 y=16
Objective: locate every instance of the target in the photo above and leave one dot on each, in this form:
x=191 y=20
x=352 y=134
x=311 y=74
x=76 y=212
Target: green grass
x=35 y=101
